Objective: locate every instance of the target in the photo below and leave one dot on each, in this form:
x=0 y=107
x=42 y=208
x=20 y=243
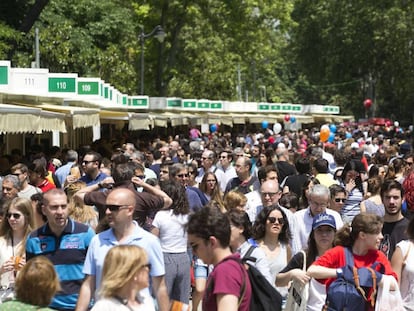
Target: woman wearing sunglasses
x=271 y=231
x=14 y=229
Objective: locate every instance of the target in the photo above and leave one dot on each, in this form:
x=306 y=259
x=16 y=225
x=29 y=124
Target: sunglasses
x=183 y=175
x=115 y=208
x=273 y=220
x=270 y=194
x=15 y=215
x=337 y=200
x=140 y=176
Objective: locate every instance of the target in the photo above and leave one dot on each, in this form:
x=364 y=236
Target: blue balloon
x=332 y=127
x=292 y=119
x=213 y=128
x=265 y=124
x=331 y=137
x=348 y=135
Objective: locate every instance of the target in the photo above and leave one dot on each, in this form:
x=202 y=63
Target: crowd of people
x=146 y=225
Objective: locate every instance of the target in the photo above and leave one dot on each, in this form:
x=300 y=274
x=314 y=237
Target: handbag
x=389 y=299
x=298 y=293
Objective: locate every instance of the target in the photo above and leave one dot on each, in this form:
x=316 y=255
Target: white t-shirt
x=407 y=274
x=173 y=236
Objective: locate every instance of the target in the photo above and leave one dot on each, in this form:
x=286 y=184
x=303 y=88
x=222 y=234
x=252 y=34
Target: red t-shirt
x=335 y=258
x=227 y=277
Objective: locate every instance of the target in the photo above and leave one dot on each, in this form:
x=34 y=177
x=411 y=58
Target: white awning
x=81 y=117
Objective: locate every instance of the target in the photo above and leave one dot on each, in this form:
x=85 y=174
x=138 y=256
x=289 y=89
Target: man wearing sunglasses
x=65 y=243
x=120 y=206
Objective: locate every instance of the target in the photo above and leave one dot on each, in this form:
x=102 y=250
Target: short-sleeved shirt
x=89 y=181
x=67 y=253
x=393 y=233
x=104 y=241
x=227 y=278
x=236 y=184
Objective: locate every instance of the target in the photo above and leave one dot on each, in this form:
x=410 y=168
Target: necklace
x=124 y=301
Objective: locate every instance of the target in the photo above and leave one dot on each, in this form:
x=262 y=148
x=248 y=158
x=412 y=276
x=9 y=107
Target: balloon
x=332 y=127
x=287 y=118
x=331 y=137
x=348 y=135
x=213 y=128
x=367 y=103
x=277 y=127
x=292 y=119
x=324 y=134
x=265 y=124
x=396 y=123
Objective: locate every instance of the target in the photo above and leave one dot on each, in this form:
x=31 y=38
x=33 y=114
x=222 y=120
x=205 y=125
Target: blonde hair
x=78 y=211
x=233 y=199
x=37 y=282
x=121 y=264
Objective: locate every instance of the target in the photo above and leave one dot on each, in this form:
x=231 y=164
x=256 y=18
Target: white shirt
x=228 y=174
x=112 y=304
x=173 y=236
x=303 y=222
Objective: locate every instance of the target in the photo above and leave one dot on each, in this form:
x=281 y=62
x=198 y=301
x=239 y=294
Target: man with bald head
x=120 y=205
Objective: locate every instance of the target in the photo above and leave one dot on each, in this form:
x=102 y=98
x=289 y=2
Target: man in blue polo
x=65 y=243
x=120 y=206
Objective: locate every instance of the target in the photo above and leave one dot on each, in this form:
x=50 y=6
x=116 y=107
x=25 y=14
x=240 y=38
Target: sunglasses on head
x=15 y=215
x=273 y=220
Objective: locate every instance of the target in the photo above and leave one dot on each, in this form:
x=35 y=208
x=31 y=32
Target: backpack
x=355 y=289
x=265 y=297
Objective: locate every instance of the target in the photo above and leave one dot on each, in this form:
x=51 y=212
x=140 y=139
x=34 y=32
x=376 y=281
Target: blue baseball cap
x=323 y=219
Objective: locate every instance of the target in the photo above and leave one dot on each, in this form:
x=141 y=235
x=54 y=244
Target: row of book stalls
x=62 y=109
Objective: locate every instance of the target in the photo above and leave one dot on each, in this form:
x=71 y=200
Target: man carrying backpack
x=228 y=286
x=358 y=248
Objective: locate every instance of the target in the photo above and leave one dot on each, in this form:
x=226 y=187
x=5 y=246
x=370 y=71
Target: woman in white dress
x=402 y=262
x=14 y=229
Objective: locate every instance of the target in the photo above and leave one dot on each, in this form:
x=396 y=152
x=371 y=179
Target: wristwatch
x=339 y=273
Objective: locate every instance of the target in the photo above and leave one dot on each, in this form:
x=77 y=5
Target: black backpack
x=265 y=297
x=355 y=289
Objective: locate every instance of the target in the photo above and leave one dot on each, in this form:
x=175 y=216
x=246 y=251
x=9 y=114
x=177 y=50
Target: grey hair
x=14 y=180
x=319 y=191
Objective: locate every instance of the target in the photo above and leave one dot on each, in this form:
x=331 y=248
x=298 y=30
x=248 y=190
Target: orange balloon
x=324 y=135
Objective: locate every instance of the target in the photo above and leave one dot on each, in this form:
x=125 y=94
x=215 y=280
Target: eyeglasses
x=337 y=200
x=273 y=220
x=115 y=208
x=183 y=175
x=270 y=194
x=15 y=215
x=204 y=158
x=87 y=162
x=140 y=176
x=409 y=163
x=17 y=174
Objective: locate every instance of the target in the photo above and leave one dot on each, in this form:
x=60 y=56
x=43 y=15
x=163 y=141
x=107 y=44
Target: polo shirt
x=89 y=181
x=104 y=241
x=67 y=253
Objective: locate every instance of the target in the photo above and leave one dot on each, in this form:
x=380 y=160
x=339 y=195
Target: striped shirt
x=67 y=253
